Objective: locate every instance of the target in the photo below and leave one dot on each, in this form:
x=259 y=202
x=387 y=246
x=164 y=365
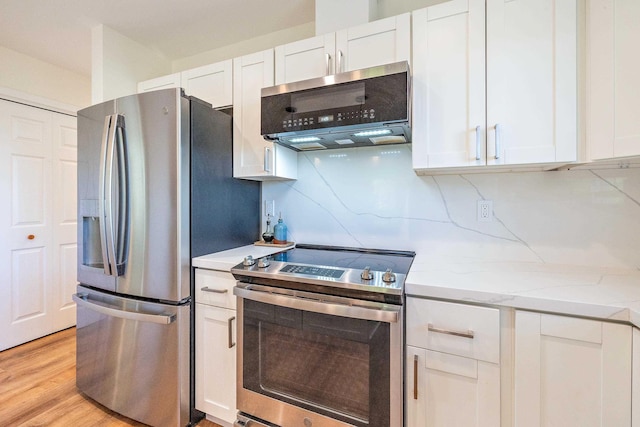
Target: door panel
x=25 y=223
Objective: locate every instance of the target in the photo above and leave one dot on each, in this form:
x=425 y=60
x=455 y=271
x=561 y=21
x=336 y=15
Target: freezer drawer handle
x=163 y=319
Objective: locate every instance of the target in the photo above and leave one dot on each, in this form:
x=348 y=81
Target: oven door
x=314 y=360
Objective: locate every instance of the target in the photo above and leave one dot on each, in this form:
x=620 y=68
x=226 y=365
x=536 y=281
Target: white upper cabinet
x=531 y=76
x=448 y=127
x=164 y=82
x=212 y=83
x=531 y=81
x=613 y=87
x=253 y=156
x=375 y=43
x=305 y=59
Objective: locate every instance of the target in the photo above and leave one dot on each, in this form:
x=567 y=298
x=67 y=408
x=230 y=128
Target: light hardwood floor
x=37 y=388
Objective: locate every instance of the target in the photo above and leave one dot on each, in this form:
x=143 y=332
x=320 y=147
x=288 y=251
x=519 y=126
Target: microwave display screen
x=327 y=98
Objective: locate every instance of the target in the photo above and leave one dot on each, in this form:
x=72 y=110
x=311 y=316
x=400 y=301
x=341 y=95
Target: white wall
x=118 y=63
x=370 y=197
x=245 y=47
x=31 y=76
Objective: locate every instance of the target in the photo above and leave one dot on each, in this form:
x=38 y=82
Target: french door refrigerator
x=155 y=188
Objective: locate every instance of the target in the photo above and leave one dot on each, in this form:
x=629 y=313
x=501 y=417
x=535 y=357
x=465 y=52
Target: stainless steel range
x=320 y=337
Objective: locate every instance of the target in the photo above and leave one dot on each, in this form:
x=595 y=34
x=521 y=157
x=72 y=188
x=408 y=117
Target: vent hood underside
x=345 y=137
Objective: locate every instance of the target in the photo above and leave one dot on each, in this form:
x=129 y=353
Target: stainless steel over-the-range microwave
x=358 y=108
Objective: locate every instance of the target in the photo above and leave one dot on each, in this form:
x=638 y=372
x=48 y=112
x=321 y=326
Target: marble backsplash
x=371 y=197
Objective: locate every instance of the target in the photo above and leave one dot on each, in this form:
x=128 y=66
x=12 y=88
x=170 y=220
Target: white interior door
x=25 y=223
x=65 y=248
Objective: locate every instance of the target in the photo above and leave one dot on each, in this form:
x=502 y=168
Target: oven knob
x=248 y=261
x=388 y=276
x=263 y=263
x=366 y=274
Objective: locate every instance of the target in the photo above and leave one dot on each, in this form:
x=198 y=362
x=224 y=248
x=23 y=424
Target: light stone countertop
x=602 y=293
x=225 y=260
x=596 y=292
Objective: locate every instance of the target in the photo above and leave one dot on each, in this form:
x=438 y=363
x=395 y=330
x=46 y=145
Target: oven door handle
x=352 y=308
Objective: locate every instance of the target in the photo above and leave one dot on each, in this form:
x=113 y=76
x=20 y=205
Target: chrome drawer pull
x=215 y=291
x=464 y=334
x=415 y=377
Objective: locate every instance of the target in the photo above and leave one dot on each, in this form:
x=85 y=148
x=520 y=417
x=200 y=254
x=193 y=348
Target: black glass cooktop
x=354 y=258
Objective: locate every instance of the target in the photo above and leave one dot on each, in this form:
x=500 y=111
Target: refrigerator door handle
x=110 y=158
x=83 y=300
x=122 y=236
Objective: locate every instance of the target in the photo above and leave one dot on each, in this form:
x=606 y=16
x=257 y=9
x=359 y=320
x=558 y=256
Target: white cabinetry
x=376 y=43
x=38 y=247
x=635 y=379
x=212 y=83
x=571 y=371
x=452 y=373
x=164 y=82
x=216 y=345
x=613 y=128
x=530 y=114
x=253 y=156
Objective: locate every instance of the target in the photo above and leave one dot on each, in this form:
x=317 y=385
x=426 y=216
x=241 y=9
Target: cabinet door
x=26 y=229
x=613 y=128
x=212 y=83
x=635 y=379
x=65 y=232
x=376 y=43
x=531 y=81
x=164 y=82
x=449 y=85
x=253 y=156
x=448 y=390
x=216 y=362
x=305 y=59
x=571 y=372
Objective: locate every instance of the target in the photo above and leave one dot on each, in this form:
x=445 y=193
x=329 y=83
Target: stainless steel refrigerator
x=155 y=188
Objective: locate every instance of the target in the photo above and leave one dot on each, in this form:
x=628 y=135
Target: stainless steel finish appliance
x=358 y=108
x=155 y=189
x=320 y=337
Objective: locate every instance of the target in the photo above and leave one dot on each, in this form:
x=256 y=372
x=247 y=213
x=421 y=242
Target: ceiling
x=59 y=31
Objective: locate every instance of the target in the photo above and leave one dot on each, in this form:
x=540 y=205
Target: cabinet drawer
x=215 y=288
x=459 y=329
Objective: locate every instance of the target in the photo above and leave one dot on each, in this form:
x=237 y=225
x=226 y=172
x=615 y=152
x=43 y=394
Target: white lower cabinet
x=215 y=346
x=447 y=390
x=571 y=371
x=635 y=379
x=452 y=371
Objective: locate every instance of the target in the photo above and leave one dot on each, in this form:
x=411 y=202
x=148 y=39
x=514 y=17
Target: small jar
x=267 y=236
x=280 y=232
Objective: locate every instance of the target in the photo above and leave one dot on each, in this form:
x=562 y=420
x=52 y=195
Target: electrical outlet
x=269 y=208
x=485 y=210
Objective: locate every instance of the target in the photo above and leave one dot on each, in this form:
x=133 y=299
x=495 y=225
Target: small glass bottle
x=280 y=232
x=267 y=236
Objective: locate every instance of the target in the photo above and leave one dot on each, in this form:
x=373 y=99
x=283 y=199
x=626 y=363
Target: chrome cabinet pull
x=215 y=291
x=478 y=142
x=464 y=334
x=327 y=58
x=339 y=66
x=415 y=377
x=498 y=137
x=230 y=325
x=267 y=152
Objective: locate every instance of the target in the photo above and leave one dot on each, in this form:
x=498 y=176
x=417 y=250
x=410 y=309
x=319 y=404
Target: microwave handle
x=382 y=313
